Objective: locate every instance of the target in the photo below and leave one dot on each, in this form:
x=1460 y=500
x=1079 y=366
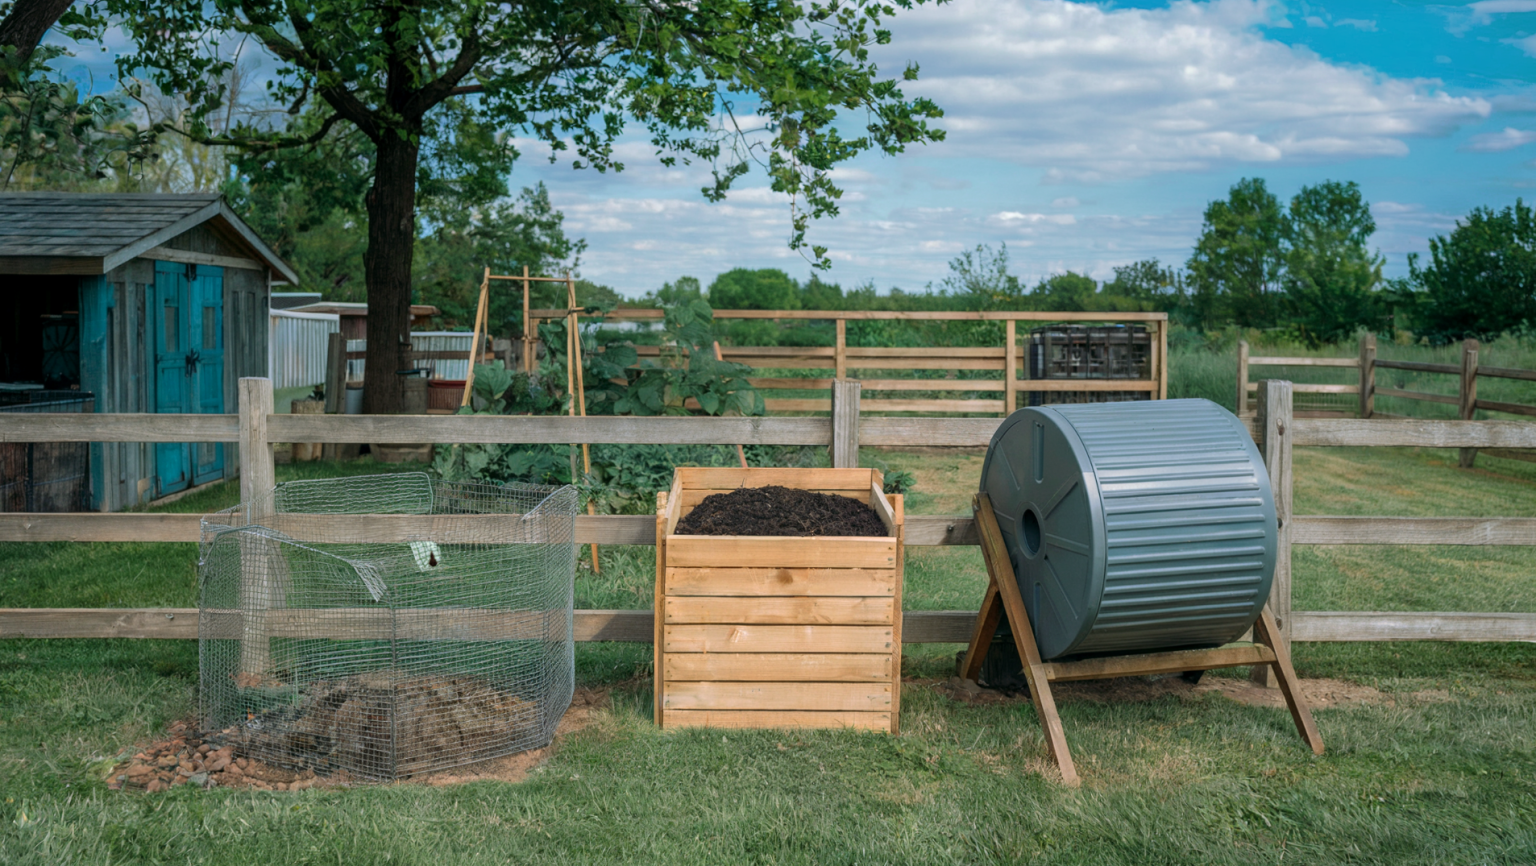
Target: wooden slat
x=733 y=477
x=528 y=429
x=181 y=623
x=1276 y=361
x=779 y=667
x=968 y=406
x=789 y=719
x=692 y=497
x=1087 y=385
x=1511 y=408
x=897 y=432
x=1507 y=373
x=1448 y=399
x=369 y=528
x=781 y=611
x=1389 y=625
x=867 y=697
x=114 y=427
x=781 y=581
x=1147 y=664
x=1314 y=388
x=924 y=530
x=921 y=363
x=923 y=626
x=778 y=638
x=1419 y=433
x=643 y=313
x=703 y=551
x=1413 y=530
x=1418 y=366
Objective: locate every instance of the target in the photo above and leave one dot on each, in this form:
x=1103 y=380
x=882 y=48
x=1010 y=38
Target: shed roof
x=91 y=233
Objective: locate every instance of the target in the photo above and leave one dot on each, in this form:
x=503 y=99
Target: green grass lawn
x=1443 y=770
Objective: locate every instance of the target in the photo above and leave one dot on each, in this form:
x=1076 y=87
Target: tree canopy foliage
x=1481 y=280
x=436 y=87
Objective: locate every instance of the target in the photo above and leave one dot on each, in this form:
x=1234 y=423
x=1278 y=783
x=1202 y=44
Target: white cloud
x=1528 y=45
x=1368 y=26
x=1495 y=142
x=1089 y=93
x=1065 y=202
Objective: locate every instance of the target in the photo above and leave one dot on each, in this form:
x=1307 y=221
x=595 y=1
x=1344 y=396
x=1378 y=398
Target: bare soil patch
x=775 y=510
x=221 y=759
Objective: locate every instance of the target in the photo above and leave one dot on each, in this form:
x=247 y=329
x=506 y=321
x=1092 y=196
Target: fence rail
x=1276 y=430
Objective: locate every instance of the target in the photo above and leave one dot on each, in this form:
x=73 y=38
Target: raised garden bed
x=768 y=631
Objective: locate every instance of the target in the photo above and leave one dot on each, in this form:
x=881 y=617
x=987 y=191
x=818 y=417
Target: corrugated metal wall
x=454 y=369
x=297 y=343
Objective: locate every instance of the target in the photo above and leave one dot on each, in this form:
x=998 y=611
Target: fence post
x=1162 y=359
x=1274 y=421
x=845 y=424
x=1367 y=375
x=1468 y=392
x=335 y=374
x=1242 y=378
x=1010 y=367
x=840 y=363
x=257 y=477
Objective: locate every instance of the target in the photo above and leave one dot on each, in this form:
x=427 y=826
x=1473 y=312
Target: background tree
x=412 y=75
x=1480 y=281
x=1236 y=267
x=747 y=289
x=1331 y=278
x=980 y=279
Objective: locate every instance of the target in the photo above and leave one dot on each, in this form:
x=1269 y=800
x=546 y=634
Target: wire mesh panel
x=435 y=632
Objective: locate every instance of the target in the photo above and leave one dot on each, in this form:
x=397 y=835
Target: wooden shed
x=153 y=303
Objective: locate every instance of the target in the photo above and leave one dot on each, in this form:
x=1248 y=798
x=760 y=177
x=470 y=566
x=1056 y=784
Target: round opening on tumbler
x=1029 y=532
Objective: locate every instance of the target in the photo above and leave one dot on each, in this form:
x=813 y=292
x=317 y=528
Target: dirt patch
x=1320 y=694
x=219 y=759
x=777 y=510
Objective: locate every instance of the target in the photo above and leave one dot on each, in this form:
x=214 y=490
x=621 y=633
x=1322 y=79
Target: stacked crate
x=767 y=631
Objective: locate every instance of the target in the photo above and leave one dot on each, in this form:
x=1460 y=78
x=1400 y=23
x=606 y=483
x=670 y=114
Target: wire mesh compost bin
x=435 y=632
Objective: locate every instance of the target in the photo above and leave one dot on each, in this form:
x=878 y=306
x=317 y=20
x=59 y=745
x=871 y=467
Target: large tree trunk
x=387 y=272
x=28 y=20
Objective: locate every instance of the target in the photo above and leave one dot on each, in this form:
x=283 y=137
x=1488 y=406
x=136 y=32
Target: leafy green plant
x=623 y=479
x=685 y=370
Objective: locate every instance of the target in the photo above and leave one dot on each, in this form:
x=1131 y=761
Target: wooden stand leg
x=987 y=621
x=1000 y=573
x=1267 y=634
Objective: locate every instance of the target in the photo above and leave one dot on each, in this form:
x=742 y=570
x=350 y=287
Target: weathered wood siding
x=116 y=362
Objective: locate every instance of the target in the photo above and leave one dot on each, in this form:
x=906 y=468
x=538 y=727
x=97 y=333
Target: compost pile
x=780 y=511
x=339 y=724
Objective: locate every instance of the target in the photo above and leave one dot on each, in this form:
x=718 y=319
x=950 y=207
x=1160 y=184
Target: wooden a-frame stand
x=1003 y=598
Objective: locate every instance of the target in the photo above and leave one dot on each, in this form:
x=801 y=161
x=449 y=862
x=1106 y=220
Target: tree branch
x=444 y=85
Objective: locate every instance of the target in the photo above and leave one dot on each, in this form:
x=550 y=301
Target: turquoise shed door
x=188 y=323
x=208 y=384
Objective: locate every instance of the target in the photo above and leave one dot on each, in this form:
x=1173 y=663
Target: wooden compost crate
x=778 y=632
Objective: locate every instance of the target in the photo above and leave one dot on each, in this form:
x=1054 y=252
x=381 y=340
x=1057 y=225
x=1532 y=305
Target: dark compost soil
x=780 y=511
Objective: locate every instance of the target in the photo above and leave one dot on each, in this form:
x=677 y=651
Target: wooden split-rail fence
x=844 y=362
x=1466 y=399
x=256 y=429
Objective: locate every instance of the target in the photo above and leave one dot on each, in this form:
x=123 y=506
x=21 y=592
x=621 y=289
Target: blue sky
x=1089 y=135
